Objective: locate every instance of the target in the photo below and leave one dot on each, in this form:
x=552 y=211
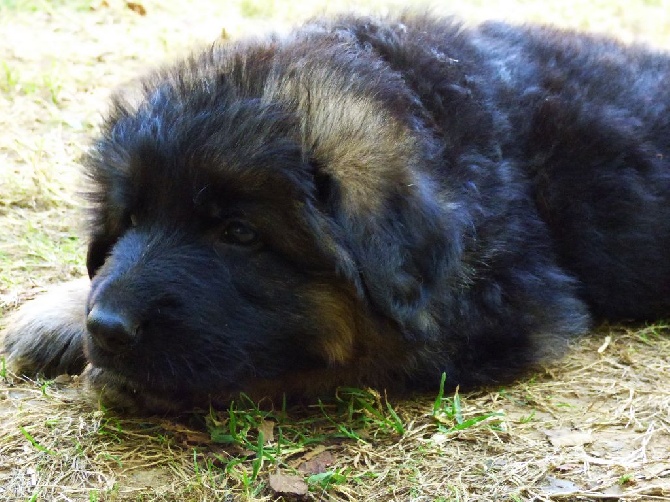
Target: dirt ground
x=593 y=426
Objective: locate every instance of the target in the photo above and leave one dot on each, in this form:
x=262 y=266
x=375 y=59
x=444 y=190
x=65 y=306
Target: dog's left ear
x=406 y=253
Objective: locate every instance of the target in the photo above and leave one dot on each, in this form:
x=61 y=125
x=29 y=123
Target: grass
x=34 y=442
x=47 y=86
x=46 y=5
x=273 y=438
x=59 y=60
x=257 y=8
x=356 y=443
x=448 y=412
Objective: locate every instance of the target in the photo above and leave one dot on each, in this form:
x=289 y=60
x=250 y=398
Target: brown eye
x=239 y=233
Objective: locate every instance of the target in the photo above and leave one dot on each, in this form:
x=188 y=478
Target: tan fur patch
x=359 y=350
x=357 y=141
x=338 y=314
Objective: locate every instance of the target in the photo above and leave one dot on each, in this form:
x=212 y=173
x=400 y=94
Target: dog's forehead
x=202 y=182
x=206 y=152
x=209 y=129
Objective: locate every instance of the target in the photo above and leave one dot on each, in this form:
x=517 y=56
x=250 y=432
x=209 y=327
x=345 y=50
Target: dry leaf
x=318 y=450
x=186 y=436
x=267 y=428
x=196 y=438
x=137 y=8
x=307 y=456
x=318 y=464
x=288 y=484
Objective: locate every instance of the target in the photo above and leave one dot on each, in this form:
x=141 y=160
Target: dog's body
x=367 y=203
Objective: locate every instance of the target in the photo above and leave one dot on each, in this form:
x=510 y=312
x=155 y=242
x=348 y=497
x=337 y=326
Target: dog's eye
x=240 y=233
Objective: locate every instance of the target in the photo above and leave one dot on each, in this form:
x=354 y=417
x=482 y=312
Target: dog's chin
x=116 y=391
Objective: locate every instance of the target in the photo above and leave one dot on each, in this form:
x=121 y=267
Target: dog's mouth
x=123 y=365
x=117 y=390
x=129 y=382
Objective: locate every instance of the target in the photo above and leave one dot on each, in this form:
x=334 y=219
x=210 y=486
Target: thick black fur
x=372 y=202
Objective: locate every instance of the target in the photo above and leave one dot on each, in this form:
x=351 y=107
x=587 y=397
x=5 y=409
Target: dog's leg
x=45 y=336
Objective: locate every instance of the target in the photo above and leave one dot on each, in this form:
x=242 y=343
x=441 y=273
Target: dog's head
x=262 y=219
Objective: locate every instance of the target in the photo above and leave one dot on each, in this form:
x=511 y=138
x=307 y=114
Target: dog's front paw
x=45 y=335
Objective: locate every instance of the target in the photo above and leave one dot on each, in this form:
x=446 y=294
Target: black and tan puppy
x=364 y=202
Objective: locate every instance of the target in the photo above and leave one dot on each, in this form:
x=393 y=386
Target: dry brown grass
x=595 y=425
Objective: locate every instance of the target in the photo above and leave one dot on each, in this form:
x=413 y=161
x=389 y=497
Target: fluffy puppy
x=364 y=202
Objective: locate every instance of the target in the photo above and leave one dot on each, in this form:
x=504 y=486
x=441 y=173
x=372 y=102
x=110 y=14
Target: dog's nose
x=111 y=330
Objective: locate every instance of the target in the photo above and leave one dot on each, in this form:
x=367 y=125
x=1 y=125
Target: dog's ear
x=371 y=146
x=401 y=251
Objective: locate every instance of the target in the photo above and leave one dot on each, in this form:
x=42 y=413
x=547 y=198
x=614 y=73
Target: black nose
x=111 y=330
